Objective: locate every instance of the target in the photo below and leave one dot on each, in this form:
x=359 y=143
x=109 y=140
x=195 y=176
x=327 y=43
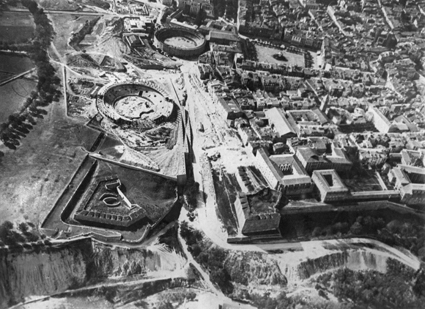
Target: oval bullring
x=134 y=102
x=180 y=42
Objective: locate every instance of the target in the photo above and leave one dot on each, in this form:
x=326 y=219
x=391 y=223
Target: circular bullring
x=132 y=102
x=180 y=42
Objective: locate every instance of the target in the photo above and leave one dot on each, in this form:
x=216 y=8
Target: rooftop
x=262 y=223
x=278 y=118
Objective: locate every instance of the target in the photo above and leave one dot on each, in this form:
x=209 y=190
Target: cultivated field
x=16 y=27
x=59 y=5
x=72 y=5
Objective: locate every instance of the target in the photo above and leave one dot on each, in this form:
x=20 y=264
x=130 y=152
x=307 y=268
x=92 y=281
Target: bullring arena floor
x=134 y=107
x=144 y=107
x=180 y=41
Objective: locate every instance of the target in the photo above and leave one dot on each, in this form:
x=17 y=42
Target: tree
x=31 y=237
x=282 y=300
x=191 y=296
x=356 y=228
x=196 y=250
x=165 y=305
x=341 y=227
x=316 y=232
x=7 y=225
x=23 y=227
x=394 y=226
x=222 y=278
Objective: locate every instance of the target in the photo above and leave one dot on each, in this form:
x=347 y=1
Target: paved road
x=16 y=77
x=79 y=13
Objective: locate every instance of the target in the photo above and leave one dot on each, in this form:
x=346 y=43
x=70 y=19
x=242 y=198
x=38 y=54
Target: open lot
x=265 y=54
x=16 y=27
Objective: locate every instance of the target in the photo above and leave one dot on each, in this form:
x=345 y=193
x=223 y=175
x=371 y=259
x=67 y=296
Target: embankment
x=120 y=262
x=357 y=259
x=51 y=269
x=249 y=268
x=59 y=267
x=352 y=259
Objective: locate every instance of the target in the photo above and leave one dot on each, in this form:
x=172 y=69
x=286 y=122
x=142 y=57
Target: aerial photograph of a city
x=223 y=154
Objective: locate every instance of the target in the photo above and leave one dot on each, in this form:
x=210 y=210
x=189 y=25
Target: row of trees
x=399 y=287
x=405 y=233
x=177 y=298
x=23 y=233
x=20 y=123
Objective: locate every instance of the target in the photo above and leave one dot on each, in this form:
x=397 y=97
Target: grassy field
x=13 y=96
x=365 y=182
x=33 y=176
x=16 y=27
x=265 y=54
